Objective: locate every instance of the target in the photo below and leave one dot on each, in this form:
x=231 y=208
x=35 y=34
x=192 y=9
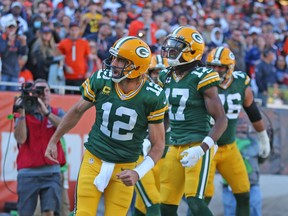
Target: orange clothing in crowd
x=25 y=76
x=76 y=56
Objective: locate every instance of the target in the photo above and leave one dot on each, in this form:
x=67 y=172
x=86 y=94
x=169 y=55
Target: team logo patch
x=143 y=52
x=198 y=38
x=106 y=90
x=231 y=56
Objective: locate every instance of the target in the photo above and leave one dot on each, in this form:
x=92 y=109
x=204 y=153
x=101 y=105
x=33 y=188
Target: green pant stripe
x=203 y=174
x=147 y=202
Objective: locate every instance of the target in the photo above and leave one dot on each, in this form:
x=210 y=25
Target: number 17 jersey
x=189 y=119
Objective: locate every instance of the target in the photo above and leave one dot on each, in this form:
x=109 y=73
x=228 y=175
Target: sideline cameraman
x=37 y=176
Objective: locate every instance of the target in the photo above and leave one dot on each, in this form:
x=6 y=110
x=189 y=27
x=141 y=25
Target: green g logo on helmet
x=198 y=38
x=142 y=52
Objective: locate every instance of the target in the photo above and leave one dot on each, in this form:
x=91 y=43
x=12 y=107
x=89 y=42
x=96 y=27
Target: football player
x=148 y=188
x=234 y=92
x=192 y=95
x=126 y=106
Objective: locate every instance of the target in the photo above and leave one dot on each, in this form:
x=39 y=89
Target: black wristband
x=47 y=114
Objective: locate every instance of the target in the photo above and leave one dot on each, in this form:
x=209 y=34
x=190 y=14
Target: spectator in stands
x=90 y=20
x=160 y=36
x=25 y=74
x=181 y=21
x=209 y=25
x=266 y=75
x=217 y=38
x=78 y=65
x=83 y=6
x=122 y=17
x=69 y=8
x=113 y=5
x=35 y=25
x=15 y=11
x=12 y=47
x=5 y=7
x=281 y=70
x=144 y=22
x=66 y=20
x=237 y=45
x=96 y=61
x=42 y=53
x=103 y=40
x=253 y=54
x=119 y=32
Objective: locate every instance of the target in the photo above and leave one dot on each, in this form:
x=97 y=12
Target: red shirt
x=32 y=151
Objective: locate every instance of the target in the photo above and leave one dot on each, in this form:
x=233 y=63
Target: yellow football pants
x=229 y=163
x=117 y=196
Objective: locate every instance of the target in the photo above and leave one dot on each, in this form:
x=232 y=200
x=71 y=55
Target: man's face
x=46 y=93
x=10 y=30
x=16 y=11
x=74 y=32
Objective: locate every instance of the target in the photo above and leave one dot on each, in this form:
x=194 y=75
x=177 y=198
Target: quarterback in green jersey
x=234 y=92
x=126 y=106
x=192 y=95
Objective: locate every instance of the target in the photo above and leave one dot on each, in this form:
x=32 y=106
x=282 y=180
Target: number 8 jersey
x=189 y=119
x=121 y=119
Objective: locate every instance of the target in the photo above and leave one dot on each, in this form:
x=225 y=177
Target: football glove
x=191 y=156
x=264 y=144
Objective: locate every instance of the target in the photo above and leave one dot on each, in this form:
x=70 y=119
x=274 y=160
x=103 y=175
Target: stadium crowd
x=65 y=41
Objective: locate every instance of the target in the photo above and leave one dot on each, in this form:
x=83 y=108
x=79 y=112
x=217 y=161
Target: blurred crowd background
x=64 y=41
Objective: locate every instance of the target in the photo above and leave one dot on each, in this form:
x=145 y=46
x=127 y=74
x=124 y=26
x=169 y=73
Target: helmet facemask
x=118 y=73
x=173 y=49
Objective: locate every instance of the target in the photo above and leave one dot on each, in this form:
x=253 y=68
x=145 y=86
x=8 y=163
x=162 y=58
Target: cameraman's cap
x=11 y=22
x=16 y=4
x=45 y=29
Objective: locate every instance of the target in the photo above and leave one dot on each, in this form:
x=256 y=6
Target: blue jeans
x=229 y=201
x=9 y=78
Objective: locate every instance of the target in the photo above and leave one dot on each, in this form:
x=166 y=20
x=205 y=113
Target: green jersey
x=122 y=119
x=232 y=99
x=189 y=119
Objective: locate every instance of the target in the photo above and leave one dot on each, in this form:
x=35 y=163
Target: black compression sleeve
x=253 y=112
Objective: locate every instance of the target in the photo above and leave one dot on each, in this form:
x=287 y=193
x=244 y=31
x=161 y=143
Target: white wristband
x=209 y=141
x=146 y=165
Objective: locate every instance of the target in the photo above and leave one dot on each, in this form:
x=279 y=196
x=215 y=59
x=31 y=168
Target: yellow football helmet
x=137 y=54
x=185 y=42
x=158 y=62
x=222 y=56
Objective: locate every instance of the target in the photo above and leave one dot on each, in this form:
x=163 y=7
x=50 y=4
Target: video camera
x=29 y=95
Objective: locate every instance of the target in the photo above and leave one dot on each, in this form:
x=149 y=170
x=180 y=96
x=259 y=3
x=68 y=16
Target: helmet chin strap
x=176 y=62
